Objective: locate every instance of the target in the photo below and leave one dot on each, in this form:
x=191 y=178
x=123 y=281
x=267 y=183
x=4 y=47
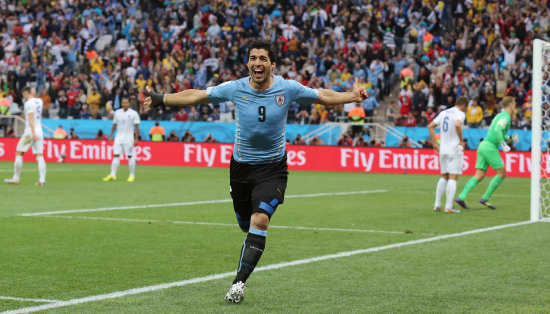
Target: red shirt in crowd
x=71 y=98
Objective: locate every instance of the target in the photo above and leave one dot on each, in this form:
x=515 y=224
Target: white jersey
x=34 y=105
x=125 y=121
x=449 y=141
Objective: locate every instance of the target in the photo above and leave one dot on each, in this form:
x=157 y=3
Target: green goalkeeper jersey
x=499 y=127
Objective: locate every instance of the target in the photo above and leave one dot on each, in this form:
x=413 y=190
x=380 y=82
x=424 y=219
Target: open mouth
x=258 y=73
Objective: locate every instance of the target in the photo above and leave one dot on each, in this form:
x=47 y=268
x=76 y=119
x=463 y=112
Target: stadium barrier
x=322 y=158
x=225 y=132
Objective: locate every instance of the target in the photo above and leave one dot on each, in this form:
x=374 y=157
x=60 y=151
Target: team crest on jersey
x=280 y=99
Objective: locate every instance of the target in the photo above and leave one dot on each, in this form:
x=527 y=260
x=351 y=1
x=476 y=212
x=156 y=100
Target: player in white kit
x=32 y=137
x=451 y=151
x=126 y=138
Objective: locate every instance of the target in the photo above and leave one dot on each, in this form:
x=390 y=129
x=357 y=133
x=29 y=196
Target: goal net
x=540 y=126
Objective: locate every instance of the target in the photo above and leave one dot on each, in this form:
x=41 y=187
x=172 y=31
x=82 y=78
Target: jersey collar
x=259 y=91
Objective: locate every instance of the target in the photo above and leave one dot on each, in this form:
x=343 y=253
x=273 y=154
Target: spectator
x=298 y=140
x=72 y=135
x=374 y=143
x=474 y=114
x=323 y=114
x=47 y=101
x=157 y=133
x=214 y=116
x=360 y=142
x=194 y=114
x=93 y=101
x=100 y=135
x=302 y=115
x=465 y=47
x=182 y=115
x=226 y=111
x=316 y=141
x=369 y=104
x=357 y=118
x=345 y=140
x=392 y=113
x=62 y=104
x=405 y=143
x=172 y=137
x=187 y=137
x=410 y=121
x=84 y=113
x=59 y=133
x=210 y=139
x=5 y=112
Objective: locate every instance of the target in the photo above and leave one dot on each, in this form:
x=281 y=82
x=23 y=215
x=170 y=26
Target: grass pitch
x=81 y=237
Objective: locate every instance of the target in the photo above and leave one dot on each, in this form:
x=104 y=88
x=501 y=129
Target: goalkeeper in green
x=487 y=154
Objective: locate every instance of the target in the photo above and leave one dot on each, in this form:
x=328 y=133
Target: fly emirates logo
x=391 y=159
x=89 y=151
x=209 y=155
x=220 y=155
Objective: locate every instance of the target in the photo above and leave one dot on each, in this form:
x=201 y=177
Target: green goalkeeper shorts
x=487 y=155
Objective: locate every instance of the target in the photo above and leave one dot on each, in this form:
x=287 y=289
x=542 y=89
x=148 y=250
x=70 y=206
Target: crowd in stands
x=83 y=57
x=480 y=49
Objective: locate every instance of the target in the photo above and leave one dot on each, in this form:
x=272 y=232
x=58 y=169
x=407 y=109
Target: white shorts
x=451 y=163
x=26 y=141
x=128 y=149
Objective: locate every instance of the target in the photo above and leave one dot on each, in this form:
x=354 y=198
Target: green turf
x=75 y=255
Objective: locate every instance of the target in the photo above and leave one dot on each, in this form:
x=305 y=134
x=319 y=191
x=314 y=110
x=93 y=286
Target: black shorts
x=257 y=188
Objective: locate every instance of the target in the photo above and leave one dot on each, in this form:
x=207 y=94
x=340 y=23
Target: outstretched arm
x=329 y=97
x=187 y=97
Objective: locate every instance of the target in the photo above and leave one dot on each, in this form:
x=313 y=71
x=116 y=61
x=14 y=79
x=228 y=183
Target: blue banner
x=225 y=132
x=222 y=132
x=472 y=137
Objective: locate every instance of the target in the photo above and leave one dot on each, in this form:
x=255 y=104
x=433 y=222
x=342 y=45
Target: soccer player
x=258 y=168
x=487 y=154
x=451 y=151
x=32 y=136
x=126 y=138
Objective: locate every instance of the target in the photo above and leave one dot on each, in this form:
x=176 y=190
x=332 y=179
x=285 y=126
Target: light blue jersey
x=261 y=116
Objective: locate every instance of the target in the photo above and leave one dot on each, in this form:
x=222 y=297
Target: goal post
x=540 y=184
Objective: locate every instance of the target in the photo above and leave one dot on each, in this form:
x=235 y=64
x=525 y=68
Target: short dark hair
x=26 y=89
x=462 y=101
x=266 y=45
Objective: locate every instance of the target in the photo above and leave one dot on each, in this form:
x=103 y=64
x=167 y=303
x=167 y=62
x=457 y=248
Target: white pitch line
x=233 y=225
x=187 y=203
x=163 y=286
x=49 y=170
x=29 y=300
x=495 y=195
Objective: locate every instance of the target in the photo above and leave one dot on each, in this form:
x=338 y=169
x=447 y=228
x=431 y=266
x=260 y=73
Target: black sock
x=252 y=250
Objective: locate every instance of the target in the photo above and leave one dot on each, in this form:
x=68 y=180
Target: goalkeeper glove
x=505 y=147
x=514 y=138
